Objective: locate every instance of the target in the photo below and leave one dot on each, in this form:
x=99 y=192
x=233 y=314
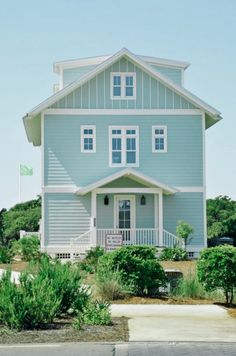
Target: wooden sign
x=113 y=241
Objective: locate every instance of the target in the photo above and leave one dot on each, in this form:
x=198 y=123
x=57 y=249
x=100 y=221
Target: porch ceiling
x=133 y=175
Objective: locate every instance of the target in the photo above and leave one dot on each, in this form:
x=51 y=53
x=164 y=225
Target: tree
x=24 y=216
x=221 y=217
x=184 y=232
x=216 y=269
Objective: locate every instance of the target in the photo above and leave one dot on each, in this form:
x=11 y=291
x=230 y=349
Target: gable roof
x=212 y=112
x=132 y=174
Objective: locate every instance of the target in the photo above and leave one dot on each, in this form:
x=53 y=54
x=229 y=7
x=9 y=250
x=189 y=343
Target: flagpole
x=19 y=185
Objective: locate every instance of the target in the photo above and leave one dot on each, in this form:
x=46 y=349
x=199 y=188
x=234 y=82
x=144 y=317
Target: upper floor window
x=88 y=139
x=123 y=85
x=124 y=146
x=159 y=139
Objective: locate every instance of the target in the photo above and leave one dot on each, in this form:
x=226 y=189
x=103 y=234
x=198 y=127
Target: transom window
x=88 y=139
x=159 y=139
x=123 y=85
x=124 y=147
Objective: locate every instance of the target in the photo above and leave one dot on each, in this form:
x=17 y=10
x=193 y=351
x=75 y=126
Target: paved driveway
x=208 y=323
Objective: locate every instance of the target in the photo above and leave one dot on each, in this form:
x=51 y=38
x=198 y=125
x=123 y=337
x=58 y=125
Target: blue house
x=123 y=152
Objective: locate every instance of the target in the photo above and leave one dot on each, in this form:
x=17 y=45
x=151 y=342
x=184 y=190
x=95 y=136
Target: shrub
x=95 y=313
x=65 y=280
x=110 y=286
x=138 y=267
x=6 y=254
x=217 y=270
x=30 y=305
x=173 y=254
x=184 y=232
x=27 y=248
x=190 y=287
x=93 y=255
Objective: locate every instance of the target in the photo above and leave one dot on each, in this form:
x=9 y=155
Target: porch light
x=143 y=200
x=106 y=200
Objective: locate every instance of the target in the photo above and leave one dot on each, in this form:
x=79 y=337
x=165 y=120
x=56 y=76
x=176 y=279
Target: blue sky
x=34 y=34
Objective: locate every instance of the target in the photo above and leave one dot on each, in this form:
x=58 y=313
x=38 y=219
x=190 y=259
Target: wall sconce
x=143 y=200
x=106 y=200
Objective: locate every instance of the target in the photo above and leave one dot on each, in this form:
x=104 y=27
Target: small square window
x=159 y=139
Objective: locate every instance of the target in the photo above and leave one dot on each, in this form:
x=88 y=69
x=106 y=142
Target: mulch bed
x=62 y=331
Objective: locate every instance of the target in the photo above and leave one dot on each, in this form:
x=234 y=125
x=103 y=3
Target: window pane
x=129 y=91
x=88 y=144
x=116 y=144
x=131 y=157
x=159 y=143
x=159 y=131
x=88 y=131
x=116 y=91
x=117 y=132
x=116 y=157
x=131 y=144
x=116 y=80
x=130 y=132
x=129 y=80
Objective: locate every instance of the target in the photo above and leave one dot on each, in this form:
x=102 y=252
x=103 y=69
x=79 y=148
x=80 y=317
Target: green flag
x=26 y=170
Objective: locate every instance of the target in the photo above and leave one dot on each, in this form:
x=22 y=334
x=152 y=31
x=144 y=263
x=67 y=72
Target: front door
x=125 y=215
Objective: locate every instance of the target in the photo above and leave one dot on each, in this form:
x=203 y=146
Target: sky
x=35 y=34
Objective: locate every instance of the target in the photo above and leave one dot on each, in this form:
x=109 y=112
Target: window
x=123 y=86
x=88 y=139
x=123 y=146
x=159 y=139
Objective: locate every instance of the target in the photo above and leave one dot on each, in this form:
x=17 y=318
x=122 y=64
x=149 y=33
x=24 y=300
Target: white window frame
x=123 y=137
x=123 y=75
x=154 y=136
x=83 y=136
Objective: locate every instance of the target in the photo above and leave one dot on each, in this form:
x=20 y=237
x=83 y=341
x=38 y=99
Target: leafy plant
x=110 y=285
x=184 y=232
x=217 y=270
x=27 y=248
x=138 y=267
x=190 y=287
x=6 y=254
x=173 y=254
x=93 y=256
x=95 y=313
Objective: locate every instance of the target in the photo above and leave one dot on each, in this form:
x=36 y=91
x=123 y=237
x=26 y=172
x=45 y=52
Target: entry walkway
x=206 y=323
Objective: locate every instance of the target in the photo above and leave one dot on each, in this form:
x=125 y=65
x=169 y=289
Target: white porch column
x=160 y=218
x=94 y=216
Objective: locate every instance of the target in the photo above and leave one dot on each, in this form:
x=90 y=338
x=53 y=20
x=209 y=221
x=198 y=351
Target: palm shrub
x=65 y=280
x=184 y=231
x=216 y=269
x=30 y=305
x=138 y=267
x=173 y=254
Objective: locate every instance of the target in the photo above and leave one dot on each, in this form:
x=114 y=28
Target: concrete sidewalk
x=206 y=323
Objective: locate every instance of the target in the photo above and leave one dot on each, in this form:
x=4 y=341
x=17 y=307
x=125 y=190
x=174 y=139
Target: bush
x=66 y=282
x=6 y=254
x=110 y=286
x=138 y=267
x=30 y=305
x=190 y=287
x=93 y=256
x=217 y=270
x=173 y=254
x=95 y=313
x=27 y=248
x=184 y=232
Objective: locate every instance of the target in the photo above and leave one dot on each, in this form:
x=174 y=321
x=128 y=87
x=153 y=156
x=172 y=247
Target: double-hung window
x=123 y=86
x=124 y=146
x=88 y=139
x=159 y=139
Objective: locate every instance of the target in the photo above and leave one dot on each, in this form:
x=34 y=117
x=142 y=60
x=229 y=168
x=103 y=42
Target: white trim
x=82 y=62
x=160 y=218
x=59 y=189
x=122 y=85
x=83 y=136
x=128 y=190
x=128 y=172
x=42 y=240
x=123 y=112
x=154 y=136
x=149 y=70
x=123 y=136
x=94 y=209
x=190 y=189
x=156 y=214
x=204 y=179
x=132 y=199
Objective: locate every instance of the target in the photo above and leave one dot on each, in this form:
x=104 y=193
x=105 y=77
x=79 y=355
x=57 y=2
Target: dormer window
x=123 y=86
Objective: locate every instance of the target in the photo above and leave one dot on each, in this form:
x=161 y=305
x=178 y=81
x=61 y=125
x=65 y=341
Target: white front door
x=125 y=214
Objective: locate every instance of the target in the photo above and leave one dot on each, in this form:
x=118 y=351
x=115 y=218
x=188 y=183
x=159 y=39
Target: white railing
x=130 y=236
x=170 y=240
x=149 y=236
